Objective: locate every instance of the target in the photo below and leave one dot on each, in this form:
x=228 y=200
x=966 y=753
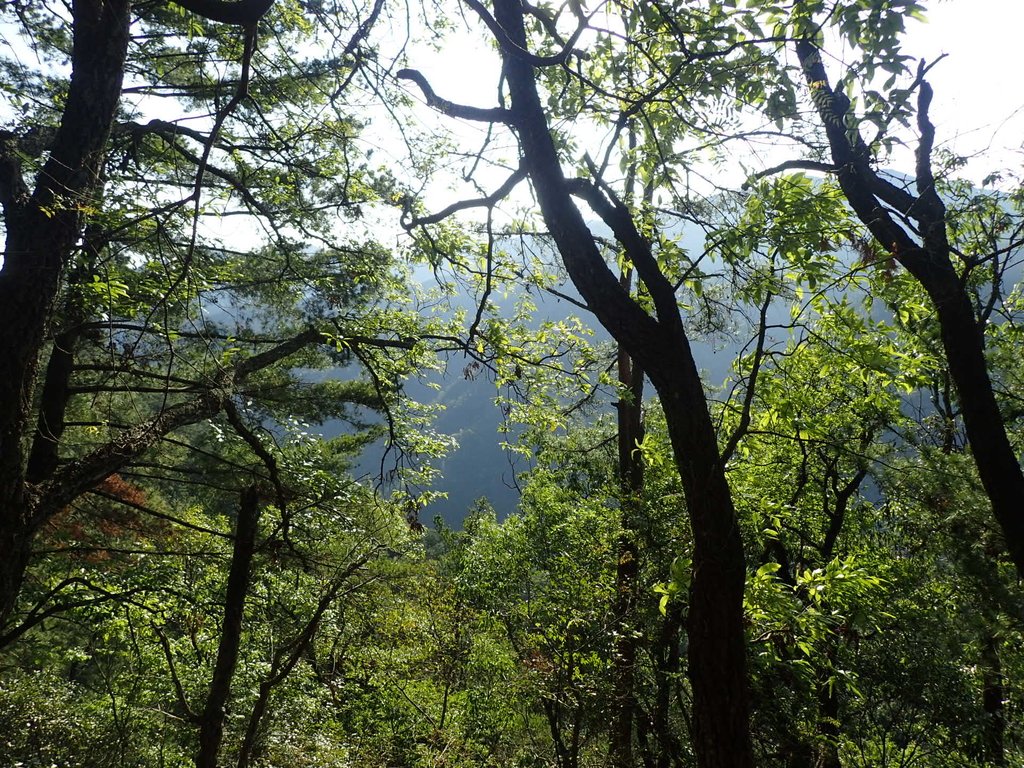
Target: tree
x=715 y=622
x=910 y=220
x=929 y=257
x=119 y=293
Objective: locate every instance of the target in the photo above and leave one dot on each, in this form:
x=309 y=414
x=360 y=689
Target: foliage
x=183 y=366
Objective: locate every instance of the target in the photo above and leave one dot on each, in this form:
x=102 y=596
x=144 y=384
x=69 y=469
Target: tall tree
x=117 y=287
x=924 y=248
x=658 y=343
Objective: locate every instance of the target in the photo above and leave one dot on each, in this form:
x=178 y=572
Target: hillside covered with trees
x=751 y=337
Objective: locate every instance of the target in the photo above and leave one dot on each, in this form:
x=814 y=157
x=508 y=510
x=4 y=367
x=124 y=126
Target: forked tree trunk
x=43 y=227
x=717 y=651
x=927 y=256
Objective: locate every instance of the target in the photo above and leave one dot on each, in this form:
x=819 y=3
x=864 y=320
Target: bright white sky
x=979 y=96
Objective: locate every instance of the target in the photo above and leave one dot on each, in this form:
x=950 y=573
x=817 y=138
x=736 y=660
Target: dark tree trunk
x=631 y=479
x=993 y=696
x=928 y=257
x=44 y=456
x=717 y=651
x=828 y=717
x=43 y=228
x=666 y=673
x=717 y=644
x=211 y=720
x=998 y=468
x=15 y=552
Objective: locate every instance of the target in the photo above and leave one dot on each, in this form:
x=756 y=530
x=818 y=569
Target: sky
x=979 y=94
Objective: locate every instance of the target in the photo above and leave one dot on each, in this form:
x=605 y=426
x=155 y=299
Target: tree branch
x=179 y=689
x=243 y=13
x=36 y=616
x=616 y=215
x=518 y=51
x=235 y=420
x=748 y=396
x=479 y=202
x=450 y=108
x=800 y=165
x=76 y=477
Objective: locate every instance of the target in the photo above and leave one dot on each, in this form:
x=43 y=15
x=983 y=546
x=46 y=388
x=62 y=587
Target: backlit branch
x=481 y=202
x=450 y=108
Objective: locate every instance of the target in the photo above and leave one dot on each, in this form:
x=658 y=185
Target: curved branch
x=450 y=108
x=250 y=438
x=518 y=51
x=788 y=165
x=481 y=202
x=748 y=396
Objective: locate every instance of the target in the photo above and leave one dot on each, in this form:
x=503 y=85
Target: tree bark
x=211 y=720
x=717 y=651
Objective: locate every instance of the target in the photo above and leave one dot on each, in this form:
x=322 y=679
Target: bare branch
x=37 y=615
x=235 y=419
x=445 y=107
x=179 y=690
x=518 y=51
x=480 y=202
x=789 y=165
x=748 y=396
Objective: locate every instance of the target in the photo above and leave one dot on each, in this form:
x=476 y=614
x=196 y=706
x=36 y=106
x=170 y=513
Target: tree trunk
x=15 y=551
x=717 y=643
x=631 y=473
x=828 y=716
x=42 y=231
x=993 y=695
x=211 y=721
x=717 y=651
x=666 y=676
x=994 y=456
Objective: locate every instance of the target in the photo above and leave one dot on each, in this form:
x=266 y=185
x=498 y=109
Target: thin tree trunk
x=285 y=660
x=993 y=696
x=44 y=456
x=211 y=720
x=631 y=474
x=666 y=675
x=828 y=717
